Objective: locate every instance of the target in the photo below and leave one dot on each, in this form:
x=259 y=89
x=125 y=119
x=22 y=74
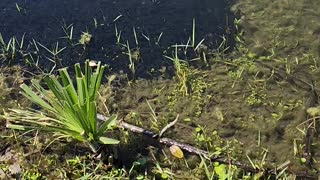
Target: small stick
x=168 y=126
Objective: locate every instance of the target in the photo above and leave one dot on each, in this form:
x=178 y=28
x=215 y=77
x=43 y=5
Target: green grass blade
x=107 y=125
x=193 y=40
x=81 y=91
x=54 y=86
x=67 y=82
x=92 y=117
x=35 y=98
x=97 y=83
x=105 y=140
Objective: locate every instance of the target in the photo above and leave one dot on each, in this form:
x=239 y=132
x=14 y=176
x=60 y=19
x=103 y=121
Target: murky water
x=158 y=25
x=255 y=98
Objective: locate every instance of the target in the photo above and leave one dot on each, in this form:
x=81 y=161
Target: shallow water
x=43 y=20
x=254 y=98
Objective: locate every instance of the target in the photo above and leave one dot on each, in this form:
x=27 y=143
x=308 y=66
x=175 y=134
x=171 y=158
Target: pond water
x=251 y=103
x=158 y=24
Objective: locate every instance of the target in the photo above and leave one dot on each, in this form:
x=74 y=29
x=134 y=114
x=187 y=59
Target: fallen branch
x=206 y=154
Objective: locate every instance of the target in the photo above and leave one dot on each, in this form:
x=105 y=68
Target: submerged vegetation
x=244 y=106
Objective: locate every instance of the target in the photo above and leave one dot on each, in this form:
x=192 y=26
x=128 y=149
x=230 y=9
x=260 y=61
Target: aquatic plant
x=68 y=31
x=85 y=39
x=131 y=65
x=69 y=111
x=8 y=49
x=54 y=52
x=21 y=9
x=118 y=34
x=182 y=74
x=215 y=170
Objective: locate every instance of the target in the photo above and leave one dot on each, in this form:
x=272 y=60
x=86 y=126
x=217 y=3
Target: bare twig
x=168 y=126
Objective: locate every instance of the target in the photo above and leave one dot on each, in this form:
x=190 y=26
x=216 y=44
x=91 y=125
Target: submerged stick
x=200 y=152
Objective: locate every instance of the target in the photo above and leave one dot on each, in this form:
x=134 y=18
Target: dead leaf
x=176 y=151
x=15 y=168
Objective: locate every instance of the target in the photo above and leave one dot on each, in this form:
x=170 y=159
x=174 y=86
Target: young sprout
x=85 y=38
x=118 y=34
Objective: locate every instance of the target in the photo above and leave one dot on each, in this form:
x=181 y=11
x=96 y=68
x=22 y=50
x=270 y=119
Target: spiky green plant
x=69 y=111
x=7 y=50
x=181 y=68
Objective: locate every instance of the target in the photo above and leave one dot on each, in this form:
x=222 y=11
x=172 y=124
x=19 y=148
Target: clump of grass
x=85 y=39
x=69 y=111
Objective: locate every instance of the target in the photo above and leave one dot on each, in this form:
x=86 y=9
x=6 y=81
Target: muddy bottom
x=262 y=112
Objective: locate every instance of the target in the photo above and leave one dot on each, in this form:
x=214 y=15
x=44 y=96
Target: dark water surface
x=43 y=20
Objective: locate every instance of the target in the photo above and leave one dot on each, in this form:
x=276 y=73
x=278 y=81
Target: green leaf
x=16 y=127
x=164 y=175
x=55 y=87
x=92 y=117
x=67 y=83
x=35 y=98
x=105 y=140
x=221 y=171
x=81 y=91
x=111 y=121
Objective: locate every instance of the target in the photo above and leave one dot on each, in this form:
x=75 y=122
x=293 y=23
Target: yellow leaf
x=176 y=151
